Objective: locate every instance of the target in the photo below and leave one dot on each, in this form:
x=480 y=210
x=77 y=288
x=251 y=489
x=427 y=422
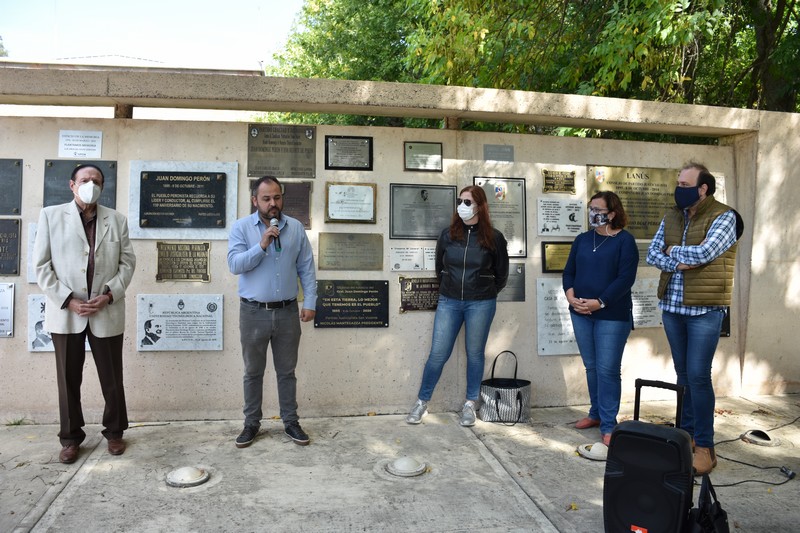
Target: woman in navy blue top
x=597 y=280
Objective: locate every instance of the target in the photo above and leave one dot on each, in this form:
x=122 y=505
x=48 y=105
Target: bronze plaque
x=11 y=179
x=352 y=304
x=182 y=199
x=350 y=251
x=418 y=294
x=646 y=194
x=558 y=181
x=183 y=261
x=283 y=151
x=9 y=246
x=554 y=256
x=56 y=181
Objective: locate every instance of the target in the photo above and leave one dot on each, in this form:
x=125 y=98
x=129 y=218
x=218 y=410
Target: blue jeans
x=693 y=341
x=601 y=343
x=477 y=316
x=258 y=328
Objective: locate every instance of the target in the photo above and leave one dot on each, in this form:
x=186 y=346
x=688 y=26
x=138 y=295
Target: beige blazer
x=61 y=256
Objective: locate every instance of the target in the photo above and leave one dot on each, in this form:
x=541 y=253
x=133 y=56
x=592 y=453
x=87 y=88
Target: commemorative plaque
x=352 y=304
x=422 y=157
x=514 y=291
x=179 y=322
x=554 y=325
x=418 y=294
x=9 y=246
x=11 y=178
x=506 y=199
x=420 y=211
x=498 y=152
x=39 y=339
x=350 y=202
x=560 y=218
x=283 y=151
x=646 y=313
x=554 y=256
x=558 y=181
x=182 y=199
x=183 y=261
x=56 y=181
x=646 y=194
x=348 y=153
x=6 y=309
x=350 y=251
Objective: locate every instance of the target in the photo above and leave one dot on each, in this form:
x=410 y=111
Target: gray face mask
x=597 y=219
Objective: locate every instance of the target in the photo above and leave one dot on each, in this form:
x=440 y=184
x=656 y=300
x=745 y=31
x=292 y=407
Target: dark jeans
x=70 y=356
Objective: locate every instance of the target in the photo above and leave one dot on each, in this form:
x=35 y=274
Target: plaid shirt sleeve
x=721 y=236
x=655 y=253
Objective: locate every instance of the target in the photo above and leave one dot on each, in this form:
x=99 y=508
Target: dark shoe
x=297 y=434
x=586 y=423
x=247 y=436
x=116 y=446
x=69 y=454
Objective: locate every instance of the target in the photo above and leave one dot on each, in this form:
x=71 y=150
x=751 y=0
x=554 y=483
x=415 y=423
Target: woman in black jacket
x=472 y=267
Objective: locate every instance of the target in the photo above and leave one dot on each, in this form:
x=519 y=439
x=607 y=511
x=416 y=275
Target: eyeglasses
x=597 y=210
x=464 y=201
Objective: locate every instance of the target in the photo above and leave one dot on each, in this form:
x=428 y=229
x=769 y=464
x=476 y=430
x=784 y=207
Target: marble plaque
x=352 y=304
x=11 y=178
x=421 y=156
x=506 y=199
x=39 y=339
x=554 y=326
x=282 y=150
x=6 y=309
x=179 y=322
x=348 y=153
x=418 y=294
x=9 y=246
x=646 y=313
x=407 y=258
x=56 y=181
x=350 y=251
x=350 y=202
x=420 y=211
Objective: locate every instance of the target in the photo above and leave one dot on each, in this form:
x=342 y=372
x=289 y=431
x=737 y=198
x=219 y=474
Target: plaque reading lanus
x=182 y=199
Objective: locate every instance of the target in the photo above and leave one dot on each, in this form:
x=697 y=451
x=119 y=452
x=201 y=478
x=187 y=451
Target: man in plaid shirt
x=695 y=249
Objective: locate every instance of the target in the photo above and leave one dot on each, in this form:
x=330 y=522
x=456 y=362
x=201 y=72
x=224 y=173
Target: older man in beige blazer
x=84 y=262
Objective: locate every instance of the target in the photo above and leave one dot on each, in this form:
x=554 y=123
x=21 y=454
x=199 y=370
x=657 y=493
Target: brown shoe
x=69 y=454
x=585 y=423
x=703 y=461
x=116 y=446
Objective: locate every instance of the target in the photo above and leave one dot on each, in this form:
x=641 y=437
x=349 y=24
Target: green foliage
x=3 y=51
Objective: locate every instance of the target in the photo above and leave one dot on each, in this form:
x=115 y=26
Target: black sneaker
x=297 y=434
x=247 y=436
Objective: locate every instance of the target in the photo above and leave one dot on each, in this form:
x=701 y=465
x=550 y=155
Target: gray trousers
x=258 y=327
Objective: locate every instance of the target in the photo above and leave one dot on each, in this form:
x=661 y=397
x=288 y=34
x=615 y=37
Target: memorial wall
x=373 y=201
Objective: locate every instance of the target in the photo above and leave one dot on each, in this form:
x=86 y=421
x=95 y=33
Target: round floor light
x=187 y=476
x=405 y=467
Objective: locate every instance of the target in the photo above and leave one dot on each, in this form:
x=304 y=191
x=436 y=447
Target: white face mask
x=465 y=211
x=89 y=192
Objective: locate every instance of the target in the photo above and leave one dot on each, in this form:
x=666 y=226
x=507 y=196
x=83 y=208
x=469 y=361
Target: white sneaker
x=419 y=410
x=468 y=414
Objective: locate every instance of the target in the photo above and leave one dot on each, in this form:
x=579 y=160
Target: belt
x=269 y=305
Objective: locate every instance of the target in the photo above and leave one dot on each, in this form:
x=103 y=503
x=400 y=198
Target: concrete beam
x=247 y=91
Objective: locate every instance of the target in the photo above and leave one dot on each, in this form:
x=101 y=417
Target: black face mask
x=686 y=196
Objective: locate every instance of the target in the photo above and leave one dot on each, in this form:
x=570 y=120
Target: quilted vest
x=712 y=283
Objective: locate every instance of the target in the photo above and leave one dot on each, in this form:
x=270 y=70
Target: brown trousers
x=70 y=357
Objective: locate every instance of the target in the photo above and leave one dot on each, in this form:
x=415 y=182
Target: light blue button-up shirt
x=271 y=276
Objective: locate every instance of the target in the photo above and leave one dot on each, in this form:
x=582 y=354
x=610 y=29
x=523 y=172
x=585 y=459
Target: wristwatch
x=602 y=303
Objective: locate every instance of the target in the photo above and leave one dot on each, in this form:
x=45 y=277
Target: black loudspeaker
x=648 y=479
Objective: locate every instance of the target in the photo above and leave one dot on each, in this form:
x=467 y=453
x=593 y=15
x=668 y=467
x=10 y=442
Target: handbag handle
x=497 y=408
x=498 y=357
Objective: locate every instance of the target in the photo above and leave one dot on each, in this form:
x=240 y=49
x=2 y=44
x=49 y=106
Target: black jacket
x=467 y=271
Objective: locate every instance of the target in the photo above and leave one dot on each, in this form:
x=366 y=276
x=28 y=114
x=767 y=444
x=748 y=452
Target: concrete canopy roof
x=40 y=84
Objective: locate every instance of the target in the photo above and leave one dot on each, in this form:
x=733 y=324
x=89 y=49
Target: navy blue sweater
x=607 y=273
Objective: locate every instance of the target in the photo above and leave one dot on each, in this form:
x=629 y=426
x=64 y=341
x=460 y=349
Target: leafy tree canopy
x=3 y=52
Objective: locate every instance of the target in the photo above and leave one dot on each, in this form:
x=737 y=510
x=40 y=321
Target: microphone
x=274 y=222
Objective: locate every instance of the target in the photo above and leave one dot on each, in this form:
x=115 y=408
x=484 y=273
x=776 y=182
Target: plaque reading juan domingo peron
x=182 y=200
x=183 y=261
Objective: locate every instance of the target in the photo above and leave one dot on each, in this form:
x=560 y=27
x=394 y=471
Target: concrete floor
x=486 y=478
